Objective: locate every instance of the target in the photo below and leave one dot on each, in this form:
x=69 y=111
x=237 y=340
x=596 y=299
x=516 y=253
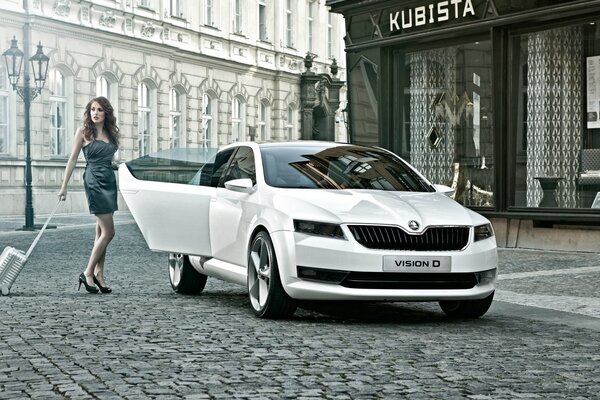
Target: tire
x=466 y=308
x=183 y=277
x=267 y=297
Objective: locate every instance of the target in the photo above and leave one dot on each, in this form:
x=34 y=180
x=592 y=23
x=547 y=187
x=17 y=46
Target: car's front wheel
x=467 y=308
x=267 y=296
x=184 y=278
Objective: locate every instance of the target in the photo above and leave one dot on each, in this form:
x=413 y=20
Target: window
x=311 y=25
x=145 y=3
x=106 y=86
x=176 y=130
x=242 y=166
x=144 y=119
x=237 y=16
x=58 y=113
x=237 y=119
x=209 y=122
x=290 y=127
x=176 y=8
x=262 y=20
x=102 y=87
x=289 y=23
x=556 y=119
x=5 y=127
x=264 y=116
x=447 y=130
x=209 y=13
x=329 y=35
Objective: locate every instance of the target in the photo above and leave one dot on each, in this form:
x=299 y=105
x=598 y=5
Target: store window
x=556 y=116
x=363 y=75
x=446 y=117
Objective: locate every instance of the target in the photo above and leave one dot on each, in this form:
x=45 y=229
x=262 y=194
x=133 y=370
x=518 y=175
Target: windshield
x=338 y=167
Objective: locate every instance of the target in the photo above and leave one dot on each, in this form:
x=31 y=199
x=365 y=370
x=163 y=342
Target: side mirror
x=240 y=185
x=447 y=190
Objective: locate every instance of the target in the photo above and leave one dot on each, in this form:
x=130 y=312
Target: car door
x=232 y=211
x=174 y=217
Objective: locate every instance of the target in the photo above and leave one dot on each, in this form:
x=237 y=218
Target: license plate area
x=425 y=264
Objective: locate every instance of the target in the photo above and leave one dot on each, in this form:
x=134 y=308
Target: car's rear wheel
x=184 y=278
x=467 y=308
x=267 y=296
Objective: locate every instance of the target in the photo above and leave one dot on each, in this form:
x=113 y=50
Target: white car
x=316 y=221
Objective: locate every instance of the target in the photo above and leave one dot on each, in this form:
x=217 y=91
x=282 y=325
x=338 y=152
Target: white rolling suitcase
x=13 y=260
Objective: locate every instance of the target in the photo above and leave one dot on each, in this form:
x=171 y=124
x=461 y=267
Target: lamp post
x=39 y=63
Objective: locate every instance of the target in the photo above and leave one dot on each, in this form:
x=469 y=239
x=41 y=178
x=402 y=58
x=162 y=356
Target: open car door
x=173 y=217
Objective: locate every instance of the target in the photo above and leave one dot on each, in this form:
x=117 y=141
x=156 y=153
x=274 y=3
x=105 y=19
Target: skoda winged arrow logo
x=414 y=225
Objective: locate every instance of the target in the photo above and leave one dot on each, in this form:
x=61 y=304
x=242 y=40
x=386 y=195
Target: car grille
x=394 y=238
x=422 y=281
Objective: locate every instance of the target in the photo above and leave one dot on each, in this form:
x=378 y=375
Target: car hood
x=374 y=207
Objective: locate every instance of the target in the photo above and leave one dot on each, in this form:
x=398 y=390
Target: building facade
x=179 y=73
x=498 y=99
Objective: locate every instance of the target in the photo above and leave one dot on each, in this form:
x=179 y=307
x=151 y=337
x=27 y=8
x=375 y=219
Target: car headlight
x=483 y=232
x=319 y=229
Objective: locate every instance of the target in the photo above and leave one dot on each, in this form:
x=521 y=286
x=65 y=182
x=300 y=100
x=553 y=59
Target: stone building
x=179 y=73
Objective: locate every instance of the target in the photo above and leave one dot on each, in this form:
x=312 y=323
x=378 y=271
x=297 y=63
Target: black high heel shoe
x=103 y=289
x=89 y=288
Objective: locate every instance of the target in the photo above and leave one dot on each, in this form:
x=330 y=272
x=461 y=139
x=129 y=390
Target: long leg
x=105 y=226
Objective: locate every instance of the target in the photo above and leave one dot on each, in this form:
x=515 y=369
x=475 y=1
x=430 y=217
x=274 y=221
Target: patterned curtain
x=432 y=74
x=554 y=112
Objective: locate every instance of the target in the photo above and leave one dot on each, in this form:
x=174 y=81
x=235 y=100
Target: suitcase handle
x=39 y=235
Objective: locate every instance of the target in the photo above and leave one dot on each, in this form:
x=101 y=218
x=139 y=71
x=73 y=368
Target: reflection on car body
x=317 y=221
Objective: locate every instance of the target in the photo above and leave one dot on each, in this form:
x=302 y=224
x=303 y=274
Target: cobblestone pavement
x=541 y=339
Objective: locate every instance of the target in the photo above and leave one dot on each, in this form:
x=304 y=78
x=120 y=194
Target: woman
x=99 y=139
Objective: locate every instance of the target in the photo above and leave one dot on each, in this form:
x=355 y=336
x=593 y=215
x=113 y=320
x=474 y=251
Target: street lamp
x=39 y=63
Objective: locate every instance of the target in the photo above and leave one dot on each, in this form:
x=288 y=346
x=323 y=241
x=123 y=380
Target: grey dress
x=99 y=178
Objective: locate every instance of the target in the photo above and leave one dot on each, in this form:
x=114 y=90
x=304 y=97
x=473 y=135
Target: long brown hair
x=110 y=121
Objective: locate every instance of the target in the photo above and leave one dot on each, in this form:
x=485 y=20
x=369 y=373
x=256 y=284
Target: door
x=174 y=217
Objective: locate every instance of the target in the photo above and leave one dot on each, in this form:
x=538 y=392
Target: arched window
x=107 y=86
x=176 y=108
x=264 y=118
x=209 y=122
x=5 y=126
x=58 y=113
x=238 y=119
x=145 y=118
x=290 y=123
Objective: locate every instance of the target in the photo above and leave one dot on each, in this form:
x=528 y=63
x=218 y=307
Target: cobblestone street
x=541 y=339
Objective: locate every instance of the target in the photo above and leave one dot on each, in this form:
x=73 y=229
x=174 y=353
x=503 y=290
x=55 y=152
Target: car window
x=339 y=167
x=210 y=174
x=242 y=166
x=176 y=165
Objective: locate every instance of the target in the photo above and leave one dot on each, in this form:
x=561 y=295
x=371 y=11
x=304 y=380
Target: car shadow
x=370 y=312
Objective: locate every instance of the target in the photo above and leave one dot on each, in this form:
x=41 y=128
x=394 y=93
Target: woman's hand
x=62 y=194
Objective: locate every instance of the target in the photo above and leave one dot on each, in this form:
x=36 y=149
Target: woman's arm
x=77 y=145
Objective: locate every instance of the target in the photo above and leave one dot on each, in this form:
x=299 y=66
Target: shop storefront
x=499 y=99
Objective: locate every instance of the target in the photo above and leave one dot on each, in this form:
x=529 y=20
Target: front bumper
x=334 y=259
